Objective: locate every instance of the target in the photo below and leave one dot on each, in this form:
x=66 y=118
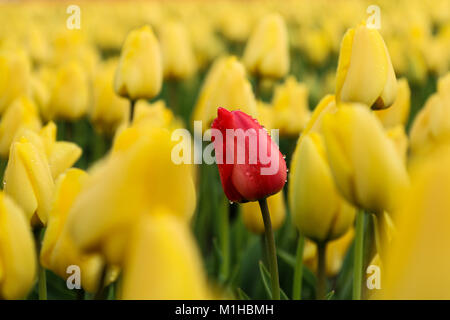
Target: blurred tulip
x=246 y=181
x=251 y=213
x=18 y=258
x=431 y=126
x=162 y=261
x=265 y=115
x=290 y=107
x=443 y=88
x=318 y=210
x=267 y=50
x=15 y=76
x=136 y=177
x=22 y=113
x=28 y=179
x=416 y=267
x=69 y=92
x=140 y=70
x=155 y=114
x=41 y=95
x=108 y=109
x=398 y=113
x=367 y=169
x=365 y=73
x=225 y=85
x=177 y=53
x=398 y=136
x=58 y=251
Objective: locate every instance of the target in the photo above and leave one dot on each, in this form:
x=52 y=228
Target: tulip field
x=225 y=150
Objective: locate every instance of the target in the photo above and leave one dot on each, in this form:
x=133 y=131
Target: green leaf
x=242 y=295
x=329 y=295
x=265 y=275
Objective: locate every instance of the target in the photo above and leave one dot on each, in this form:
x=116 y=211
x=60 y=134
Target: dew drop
x=284 y=157
x=231 y=202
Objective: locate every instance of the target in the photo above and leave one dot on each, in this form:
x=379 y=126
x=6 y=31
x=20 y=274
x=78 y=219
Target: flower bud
x=140 y=70
x=251 y=213
x=22 y=113
x=162 y=261
x=16 y=75
x=108 y=109
x=290 y=107
x=366 y=167
x=177 y=54
x=267 y=50
x=318 y=210
x=18 y=258
x=256 y=168
x=365 y=73
x=225 y=85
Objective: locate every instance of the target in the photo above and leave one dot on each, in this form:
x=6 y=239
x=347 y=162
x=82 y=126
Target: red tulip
x=250 y=164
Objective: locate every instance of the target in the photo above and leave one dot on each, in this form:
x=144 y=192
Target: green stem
x=358 y=255
x=298 y=272
x=271 y=249
x=132 y=107
x=224 y=229
x=42 y=279
x=100 y=294
x=321 y=276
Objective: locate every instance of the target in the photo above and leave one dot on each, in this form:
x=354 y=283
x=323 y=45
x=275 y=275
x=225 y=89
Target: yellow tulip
x=431 y=125
x=398 y=136
x=417 y=263
x=251 y=213
x=69 y=92
x=40 y=93
x=267 y=50
x=365 y=73
x=265 y=115
x=58 y=251
x=367 y=169
x=137 y=176
x=317 y=208
x=155 y=114
x=140 y=70
x=28 y=178
x=108 y=109
x=225 y=85
x=398 y=113
x=177 y=54
x=22 y=113
x=60 y=154
x=290 y=107
x=162 y=261
x=335 y=253
x=18 y=257
x=15 y=76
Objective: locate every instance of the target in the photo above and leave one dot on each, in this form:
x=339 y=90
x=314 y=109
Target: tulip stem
x=132 y=107
x=298 y=272
x=42 y=281
x=271 y=249
x=321 y=276
x=358 y=255
x=100 y=294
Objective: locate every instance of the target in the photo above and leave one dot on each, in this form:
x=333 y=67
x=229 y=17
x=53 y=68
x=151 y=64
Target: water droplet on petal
x=231 y=202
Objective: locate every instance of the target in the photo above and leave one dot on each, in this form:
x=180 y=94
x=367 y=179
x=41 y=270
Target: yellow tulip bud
x=267 y=50
x=18 y=257
x=41 y=95
x=398 y=113
x=335 y=253
x=225 y=85
x=15 y=80
x=431 y=125
x=140 y=70
x=317 y=208
x=69 y=92
x=22 y=113
x=177 y=54
x=290 y=107
x=265 y=115
x=138 y=175
x=365 y=73
x=416 y=265
x=367 y=169
x=28 y=179
x=155 y=114
x=61 y=154
x=252 y=217
x=162 y=261
x=108 y=109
